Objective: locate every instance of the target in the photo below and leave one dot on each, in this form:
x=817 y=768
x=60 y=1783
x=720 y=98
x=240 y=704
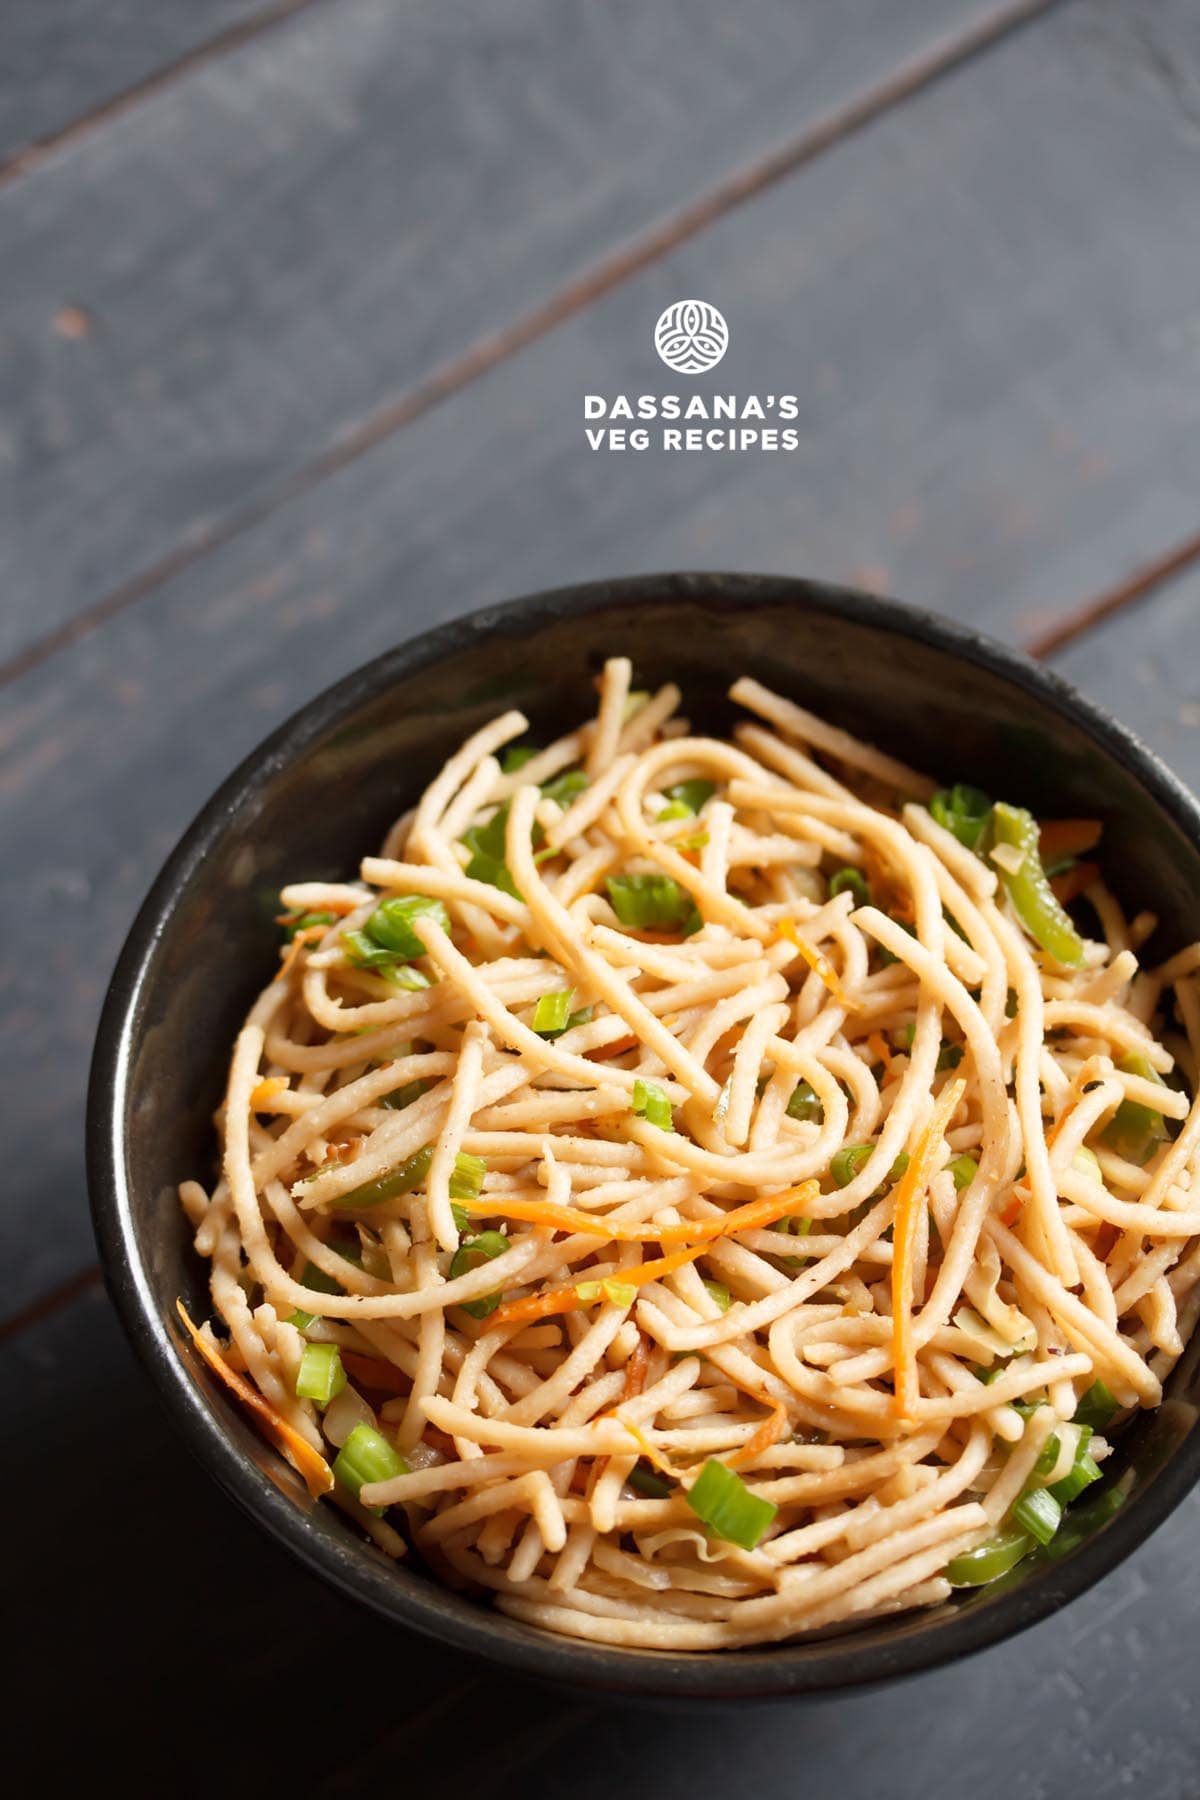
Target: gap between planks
x=909 y=77
x=31 y=156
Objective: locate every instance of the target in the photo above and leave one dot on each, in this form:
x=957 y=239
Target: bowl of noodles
x=651 y=1134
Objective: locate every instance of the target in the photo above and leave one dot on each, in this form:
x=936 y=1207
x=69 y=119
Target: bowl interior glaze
x=322 y=792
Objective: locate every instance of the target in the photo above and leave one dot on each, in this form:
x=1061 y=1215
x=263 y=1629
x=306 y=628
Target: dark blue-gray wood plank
x=1144 y=665
x=198 y=1659
x=290 y=240
x=977 y=443
x=65 y=58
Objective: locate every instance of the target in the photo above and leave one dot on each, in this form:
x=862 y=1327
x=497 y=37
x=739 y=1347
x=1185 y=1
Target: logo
x=691 y=336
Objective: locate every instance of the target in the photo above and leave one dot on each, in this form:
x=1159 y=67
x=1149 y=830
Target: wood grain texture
x=948 y=451
x=1144 y=665
x=69 y=58
x=189 y=1643
x=267 y=253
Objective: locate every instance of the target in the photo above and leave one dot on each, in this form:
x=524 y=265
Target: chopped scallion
x=471 y=1253
x=964 y=1169
x=1135 y=1131
x=690 y=795
x=651 y=1104
x=320 y=1375
x=367 y=1456
x=963 y=810
x=1038 y=1513
x=851 y=881
x=1098 y=1407
x=466 y=1178
x=649 y=902
x=552 y=1012
x=720 y=1294
x=726 y=1505
x=645 y=1480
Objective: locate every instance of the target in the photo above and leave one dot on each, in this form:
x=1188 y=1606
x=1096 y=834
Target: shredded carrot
x=818 y=962
x=266 y=1091
x=566 y=1299
x=910 y=1195
x=297 y=944
x=754 y=1214
x=768 y=1433
x=661 y=1462
x=1072 y=882
x=881 y=1050
x=318 y=1476
x=1067 y=837
x=372 y=1372
x=1012 y=1209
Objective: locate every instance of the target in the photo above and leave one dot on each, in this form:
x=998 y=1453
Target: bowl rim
x=816 y=1667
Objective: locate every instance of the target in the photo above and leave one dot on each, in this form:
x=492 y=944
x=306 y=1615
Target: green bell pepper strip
x=1029 y=889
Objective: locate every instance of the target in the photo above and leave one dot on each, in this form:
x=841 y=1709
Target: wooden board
x=1144 y=665
x=198 y=1657
x=66 y=60
x=230 y=281
x=931 y=463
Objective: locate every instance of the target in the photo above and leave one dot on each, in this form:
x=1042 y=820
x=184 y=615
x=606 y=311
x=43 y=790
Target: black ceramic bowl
x=321 y=792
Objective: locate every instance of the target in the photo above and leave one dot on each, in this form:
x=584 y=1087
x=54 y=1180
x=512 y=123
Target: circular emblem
x=691 y=336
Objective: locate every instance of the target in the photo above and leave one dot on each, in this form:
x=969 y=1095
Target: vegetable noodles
x=704 y=1191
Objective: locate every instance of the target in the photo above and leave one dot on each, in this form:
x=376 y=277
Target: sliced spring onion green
x=301 y=1319
x=466 y=1177
x=1082 y=1522
x=471 y=1253
x=804 y=1103
x=462 y=1218
x=850 y=881
x=516 y=756
x=367 y=1456
x=989 y=1560
x=1097 y=1409
x=404 y=1096
x=651 y=1104
x=644 y=1479
x=493 y=871
x=364 y=953
x=1029 y=890
x=320 y=1375
x=1085 y=1470
x=691 y=795
x=794 y=1225
x=551 y=1013
x=963 y=810
x=563 y=789
x=649 y=902
x=949 y=1057
x=391 y=924
x=722 y=1500
x=397 y=1181
x=1038 y=1513
x=847 y=1162
x=964 y=1170
x=1135 y=1131
x=720 y=1294
x=617 y=1293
